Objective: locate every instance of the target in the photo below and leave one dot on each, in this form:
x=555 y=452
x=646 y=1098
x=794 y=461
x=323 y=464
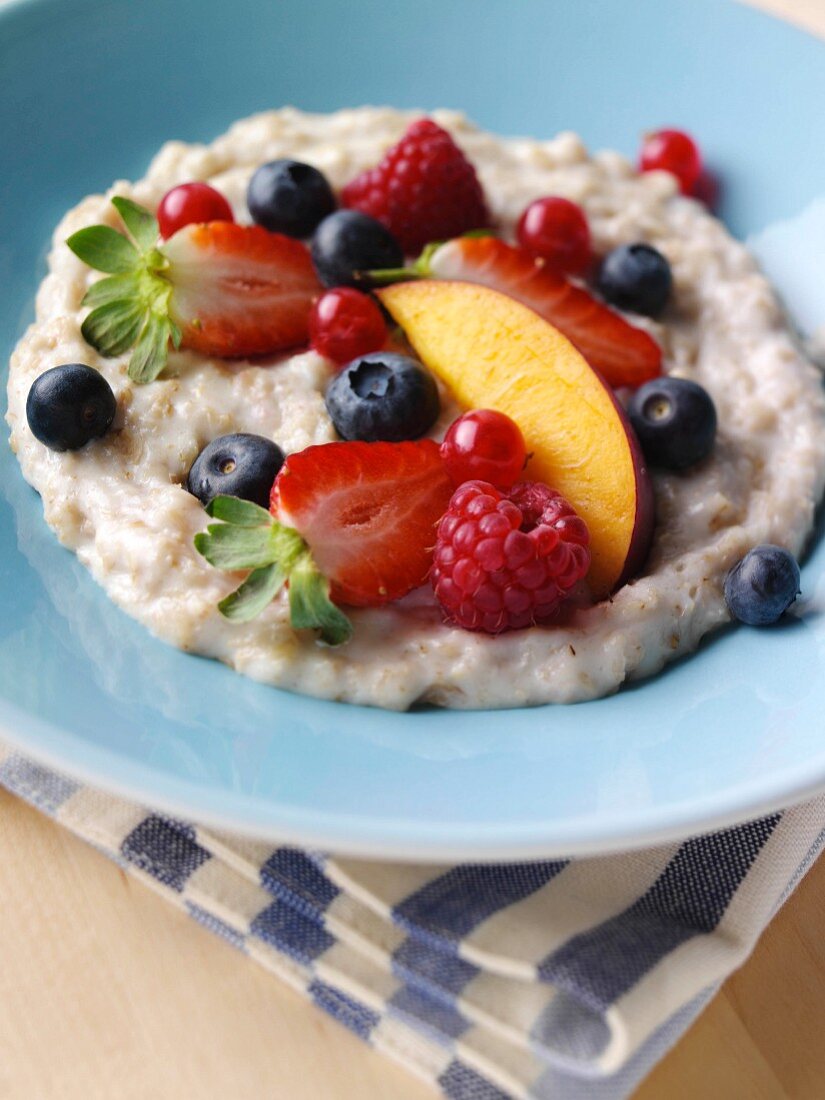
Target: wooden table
x=107 y=993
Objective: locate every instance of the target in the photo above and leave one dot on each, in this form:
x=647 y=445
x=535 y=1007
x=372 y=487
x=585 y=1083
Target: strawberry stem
x=310 y=607
x=419 y=269
x=389 y=275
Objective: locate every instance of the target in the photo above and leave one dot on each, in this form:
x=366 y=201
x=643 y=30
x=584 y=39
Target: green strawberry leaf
x=255 y=594
x=310 y=607
x=241 y=513
x=112 y=288
x=131 y=307
x=249 y=538
x=113 y=328
x=142 y=225
x=104 y=249
x=152 y=349
x=228 y=547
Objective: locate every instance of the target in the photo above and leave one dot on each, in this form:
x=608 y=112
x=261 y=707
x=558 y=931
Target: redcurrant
x=556 y=231
x=484 y=445
x=675 y=152
x=708 y=189
x=344 y=323
x=189 y=203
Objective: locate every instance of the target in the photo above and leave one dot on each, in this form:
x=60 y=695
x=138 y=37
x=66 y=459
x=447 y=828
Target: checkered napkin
x=553 y=979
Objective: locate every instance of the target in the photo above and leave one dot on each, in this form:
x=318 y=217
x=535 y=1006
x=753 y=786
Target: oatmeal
x=122 y=506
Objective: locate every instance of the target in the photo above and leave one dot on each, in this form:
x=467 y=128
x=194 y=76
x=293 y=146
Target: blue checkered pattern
x=550 y=979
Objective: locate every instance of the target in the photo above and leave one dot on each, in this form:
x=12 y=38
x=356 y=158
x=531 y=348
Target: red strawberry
x=368 y=513
x=223 y=289
x=352 y=523
x=423 y=190
x=624 y=354
x=238 y=290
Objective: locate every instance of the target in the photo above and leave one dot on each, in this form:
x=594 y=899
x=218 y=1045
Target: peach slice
x=495 y=353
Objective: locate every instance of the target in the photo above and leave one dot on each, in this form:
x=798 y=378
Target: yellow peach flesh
x=493 y=352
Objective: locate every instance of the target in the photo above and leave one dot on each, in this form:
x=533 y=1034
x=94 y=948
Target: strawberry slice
x=238 y=290
x=368 y=512
x=350 y=522
x=219 y=288
x=623 y=354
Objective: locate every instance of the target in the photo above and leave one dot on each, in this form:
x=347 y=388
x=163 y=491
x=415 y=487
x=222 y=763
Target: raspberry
x=423 y=190
x=506 y=560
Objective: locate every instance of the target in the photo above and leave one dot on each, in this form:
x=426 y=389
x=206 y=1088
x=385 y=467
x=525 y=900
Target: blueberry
x=636 y=277
x=383 y=396
x=348 y=243
x=675 y=421
x=70 y=405
x=239 y=465
x=762 y=585
x=286 y=196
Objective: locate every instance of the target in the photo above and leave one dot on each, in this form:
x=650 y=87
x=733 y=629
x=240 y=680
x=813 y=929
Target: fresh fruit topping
x=504 y=561
x=70 y=405
x=249 y=538
x=350 y=522
x=238 y=290
x=219 y=288
x=484 y=445
x=623 y=354
x=672 y=151
x=383 y=396
x=349 y=244
x=495 y=353
x=189 y=203
x=675 y=421
x=423 y=190
x=762 y=586
x=636 y=277
x=286 y=196
x=708 y=189
x=555 y=230
x=130 y=309
x=344 y=323
x=368 y=511
x=238 y=465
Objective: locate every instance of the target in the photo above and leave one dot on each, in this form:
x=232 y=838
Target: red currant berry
x=556 y=231
x=189 y=203
x=675 y=152
x=344 y=323
x=708 y=189
x=484 y=445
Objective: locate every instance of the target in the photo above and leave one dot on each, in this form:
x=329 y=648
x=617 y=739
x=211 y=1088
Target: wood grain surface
x=107 y=993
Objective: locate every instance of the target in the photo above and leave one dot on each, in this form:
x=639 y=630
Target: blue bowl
x=88 y=90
